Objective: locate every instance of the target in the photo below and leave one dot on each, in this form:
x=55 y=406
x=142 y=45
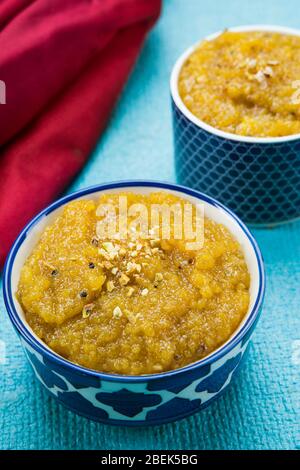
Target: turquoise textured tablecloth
x=261 y=410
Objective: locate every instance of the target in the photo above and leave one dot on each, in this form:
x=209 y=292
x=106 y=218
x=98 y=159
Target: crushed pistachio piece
x=268 y=71
x=95 y=241
x=123 y=280
x=138 y=267
x=104 y=253
x=130 y=291
x=117 y=312
x=110 y=286
x=111 y=250
x=130 y=267
x=87 y=310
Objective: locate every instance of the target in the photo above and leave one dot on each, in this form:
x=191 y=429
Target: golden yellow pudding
x=134 y=305
x=245 y=83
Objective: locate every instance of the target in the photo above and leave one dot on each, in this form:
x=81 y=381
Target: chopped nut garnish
x=107 y=264
x=131 y=267
x=138 y=267
x=114 y=270
x=268 y=71
x=124 y=279
x=87 y=310
x=260 y=76
x=110 y=249
x=110 y=286
x=145 y=292
x=104 y=253
x=95 y=241
x=130 y=291
x=117 y=312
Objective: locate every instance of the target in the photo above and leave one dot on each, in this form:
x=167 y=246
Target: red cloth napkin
x=64 y=63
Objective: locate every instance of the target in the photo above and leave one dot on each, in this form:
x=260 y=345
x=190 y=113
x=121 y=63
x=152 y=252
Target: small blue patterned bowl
x=258 y=178
x=135 y=400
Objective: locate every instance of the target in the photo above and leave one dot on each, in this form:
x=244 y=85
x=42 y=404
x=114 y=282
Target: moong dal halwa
x=245 y=83
x=136 y=305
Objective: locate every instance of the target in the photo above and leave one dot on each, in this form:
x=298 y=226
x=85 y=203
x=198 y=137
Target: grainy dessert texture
x=136 y=305
x=245 y=83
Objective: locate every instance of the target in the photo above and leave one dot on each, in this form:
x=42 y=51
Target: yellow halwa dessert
x=134 y=305
x=245 y=83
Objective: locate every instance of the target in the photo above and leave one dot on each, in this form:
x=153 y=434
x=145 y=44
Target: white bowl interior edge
x=214 y=213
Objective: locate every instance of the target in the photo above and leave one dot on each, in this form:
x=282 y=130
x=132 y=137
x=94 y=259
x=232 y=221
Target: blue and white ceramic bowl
x=135 y=400
x=258 y=178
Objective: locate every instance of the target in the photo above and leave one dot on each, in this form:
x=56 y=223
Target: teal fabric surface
x=262 y=408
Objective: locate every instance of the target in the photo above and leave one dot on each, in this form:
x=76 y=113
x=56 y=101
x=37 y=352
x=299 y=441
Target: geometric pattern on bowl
x=132 y=404
x=258 y=181
x=129 y=400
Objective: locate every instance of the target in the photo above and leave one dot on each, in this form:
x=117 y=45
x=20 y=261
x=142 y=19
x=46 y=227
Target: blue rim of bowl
x=39 y=346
